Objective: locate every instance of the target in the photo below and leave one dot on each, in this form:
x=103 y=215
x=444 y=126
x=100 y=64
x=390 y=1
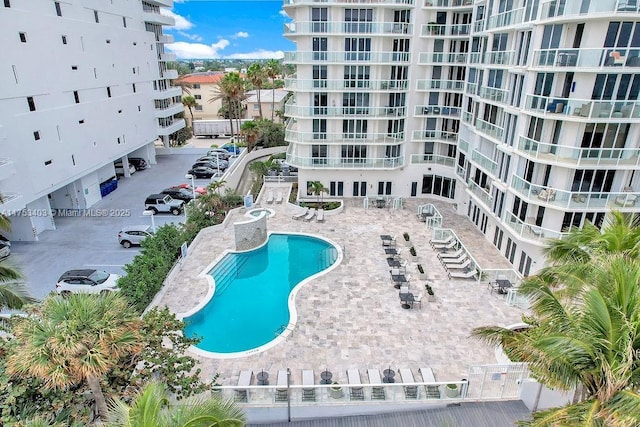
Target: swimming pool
x=253 y=299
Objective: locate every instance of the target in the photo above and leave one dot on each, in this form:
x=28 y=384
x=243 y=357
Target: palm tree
x=256 y=76
x=79 y=338
x=251 y=132
x=153 y=408
x=215 y=186
x=273 y=70
x=318 y=189
x=183 y=84
x=190 y=102
x=230 y=89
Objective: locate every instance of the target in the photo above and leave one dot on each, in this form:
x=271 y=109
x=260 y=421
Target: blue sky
x=242 y=29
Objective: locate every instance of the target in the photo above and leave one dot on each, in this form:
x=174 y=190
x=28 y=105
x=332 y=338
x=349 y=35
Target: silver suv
x=163 y=203
x=86 y=281
x=133 y=235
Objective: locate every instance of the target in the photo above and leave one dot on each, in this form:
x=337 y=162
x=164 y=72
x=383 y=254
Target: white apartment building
x=84 y=83
x=524 y=113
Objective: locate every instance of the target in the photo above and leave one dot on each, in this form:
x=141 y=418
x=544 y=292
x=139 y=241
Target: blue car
x=231 y=149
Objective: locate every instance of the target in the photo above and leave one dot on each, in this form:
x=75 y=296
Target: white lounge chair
x=433 y=391
x=418 y=299
x=356 y=393
x=320 y=215
x=449 y=245
x=244 y=380
x=302 y=214
x=451 y=261
x=310 y=215
x=308 y=379
x=281 y=390
x=455 y=254
x=279 y=197
x=410 y=391
x=468 y=274
x=270 y=197
x=444 y=241
x=377 y=390
x=462 y=266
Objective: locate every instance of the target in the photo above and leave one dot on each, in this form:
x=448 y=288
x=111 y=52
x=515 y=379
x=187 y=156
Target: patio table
x=263 y=378
x=325 y=377
x=503 y=285
x=393 y=262
x=407 y=300
x=391 y=251
x=386 y=237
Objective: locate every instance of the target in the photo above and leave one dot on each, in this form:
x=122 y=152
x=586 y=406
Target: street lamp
x=193 y=185
x=153 y=222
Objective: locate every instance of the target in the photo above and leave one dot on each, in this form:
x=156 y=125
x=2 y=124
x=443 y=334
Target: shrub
x=429 y=289
x=406 y=236
x=412 y=251
x=420 y=269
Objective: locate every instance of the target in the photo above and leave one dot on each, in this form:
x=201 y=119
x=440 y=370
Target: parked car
x=163 y=203
x=223 y=163
x=120 y=168
x=224 y=154
x=202 y=171
x=209 y=164
x=200 y=191
x=86 y=281
x=179 y=194
x=231 y=149
x=138 y=162
x=133 y=235
x=5 y=250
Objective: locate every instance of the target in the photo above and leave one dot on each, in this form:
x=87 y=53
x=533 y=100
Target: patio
x=352 y=317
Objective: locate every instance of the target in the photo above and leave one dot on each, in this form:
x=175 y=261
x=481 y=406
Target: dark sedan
x=202 y=172
x=179 y=193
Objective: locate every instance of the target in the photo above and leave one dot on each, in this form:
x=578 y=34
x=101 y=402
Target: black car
x=202 y=171
x=179 y=193
x=208 y=164
x=138 y=162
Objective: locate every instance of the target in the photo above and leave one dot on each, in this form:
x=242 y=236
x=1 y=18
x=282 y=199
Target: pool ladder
x=281 y=329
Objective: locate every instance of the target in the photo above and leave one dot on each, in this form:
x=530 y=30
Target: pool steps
x=227 y=269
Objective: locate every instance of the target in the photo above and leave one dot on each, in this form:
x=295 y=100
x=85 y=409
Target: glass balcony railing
x=341 y=85
x=457 y=85
x=467 y=117
x=489 y=129
x=368 y=138
x=494 y=94
x=480 y=193
x=364 y=2
x=304 y=57
x=463 y=145
x=562 y=199
x=578 y=156
x=346 y=163
x=432 y=159
x=475 y=57
x=436 y=110
x=442 y=58
x=460 y=172
x=478 y=26
x=485 y=162
x=433 y=135
x=361 y=111
x=445 y=30
x=448 y=3
x=504 y=19
x=472 y=89
x=613 y=59
x=528 y=230
x=500 y=58
x=563 y=8
x=582 y=108
x=371 y=28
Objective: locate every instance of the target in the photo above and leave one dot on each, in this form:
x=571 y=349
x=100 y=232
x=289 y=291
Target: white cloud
x=194 y=37
x=241 y=35
x=186 y=50
x=182 y=23
x=258 y=54
x=284 y=14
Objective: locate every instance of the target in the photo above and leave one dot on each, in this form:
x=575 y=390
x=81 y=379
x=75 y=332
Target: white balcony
x=351 y=138
x=157 y=18
x=505 y=58
x=7 y=168
x=485 y=163
x=432 y=159
x=445 y=30
x=170 y=74
x=163 y=3
x=169 y=111
x=306 y=28
x=11 y=202
x=489 y=129
x=436 y=110
x=583 y=109
x=446 y=4
x=303 y=111
x=561 y=10
x=452 y=58
x=494 y=94
x=345 y=163
x=480 y=193
x=168 y=57
x=446 y=85
x=609 y=60
x=171 y=128
x=169 y=93
x=394 y=3
x=165 y=38
x=505 y=19
x=306 y=57
x=433 y=135
x=529 y=230
x=341 y=85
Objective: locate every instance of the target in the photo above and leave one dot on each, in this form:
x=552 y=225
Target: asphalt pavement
x=91 y=241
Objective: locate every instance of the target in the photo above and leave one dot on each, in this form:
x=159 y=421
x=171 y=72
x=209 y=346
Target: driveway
x=91 y=241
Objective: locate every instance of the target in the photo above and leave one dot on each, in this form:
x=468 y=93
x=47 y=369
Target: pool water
x=249 y=307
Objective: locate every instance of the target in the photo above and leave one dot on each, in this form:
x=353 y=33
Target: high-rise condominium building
x=84 y=83
x=524 y=114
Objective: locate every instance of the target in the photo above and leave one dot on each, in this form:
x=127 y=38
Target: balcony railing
x=478 y=26
x=303 y=57
x=490 y=129
x=485 y=162
x=448 y=3
x=373 y=2
x=342 y=85
x=562 y=199
x=578 y=156
x=445 y=30
x=472 y=89
x=368 y=112
x=460 y=172
x=432 y=159
x=371 y=28
x=500 y=58
x=494 y=94
x=442 y=58
x=371 y=138
x=556 y=9
x=346 y=163
x=433 y=135
x=582 y=108
x=614 y=59
x=504 y=19
x=436 y=110
x=480 y=193
x=467 y=117
x=529 y=231
x=457 y=85
x=463 y=145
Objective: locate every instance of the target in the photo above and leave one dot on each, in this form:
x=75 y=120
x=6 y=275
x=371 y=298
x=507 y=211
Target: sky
x=237 y=29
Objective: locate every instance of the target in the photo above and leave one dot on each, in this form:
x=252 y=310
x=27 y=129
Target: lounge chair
x=244 y=380
x=320 y=215
x=433 y=391
x=464 y=274
x=279 y=197
x=300 y=215
x=462 y=266
x=310 y=215
x=356 y=393
x=439 y=246
x=377 y=390
x=281 y=388
x=455 y=254
x=445 y=241
x=308 y=379
x=418 y=299
x=270 y=197
x=459 y=260
x=410 y=391
x=391 y=242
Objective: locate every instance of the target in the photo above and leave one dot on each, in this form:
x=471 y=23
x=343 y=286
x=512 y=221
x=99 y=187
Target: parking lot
x=91 y=241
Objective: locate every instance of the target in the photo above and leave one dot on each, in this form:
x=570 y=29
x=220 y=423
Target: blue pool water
x=249 y=305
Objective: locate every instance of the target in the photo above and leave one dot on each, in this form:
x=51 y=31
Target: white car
x=133 y=235
x=86 y=281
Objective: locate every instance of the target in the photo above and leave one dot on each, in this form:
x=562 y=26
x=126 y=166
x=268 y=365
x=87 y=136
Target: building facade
x=523 y=113
x=84 y=84
x=203 y=87
x=272 y=101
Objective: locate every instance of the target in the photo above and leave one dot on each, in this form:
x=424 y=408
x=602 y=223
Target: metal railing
x=346 y=163
x=357 y=111
x=433 y=135
x=357 y=27
x=582 y=108
x=432 y=159
x=450 y=30
x=368 y=138
x=303 y=57
x=485 y=162
x=504 y=19
x=612 y=59
x=363 y=84
x=440 y=84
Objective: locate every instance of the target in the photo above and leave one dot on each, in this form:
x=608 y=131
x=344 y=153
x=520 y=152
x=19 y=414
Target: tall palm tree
x=256 y=76
x=153 y=408
x=273 y=70
x=318 y=189
x=230 y=89
x=79 y=338
x=251 y=132
x=183 y=84
x=190 y=102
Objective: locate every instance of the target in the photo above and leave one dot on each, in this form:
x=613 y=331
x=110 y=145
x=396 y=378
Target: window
x=256 y=107
x=354 y=129
x=319 y=45
x=354 y=153
x=118 y=140
x=198 y=107
x=320 y=129
x=108 y=41
x=31 y=102
x=133 y=69
x=358 y=20
x=76 y=97
x=58 y=9
x=197 y=96
x=319 y=154
x=357 y=49
x=23 y=37
x=439 y=185
x=74 y=67
x=109 y=92
x=7 y=3
x=119 y=111
x=319 y=17
x=64 y=39
x=319 y=76
x=73 y=159
x=124 y=22
x=48 y=162
x=81 y=122
x=133 y=87
x=95 y=16
x=36 y=135
x=358 y=76
x=196 y=86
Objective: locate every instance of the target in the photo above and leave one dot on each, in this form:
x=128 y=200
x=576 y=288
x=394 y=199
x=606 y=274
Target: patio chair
x=464 y=274
x=410 y=391
x=404 y=289
x=391 y=242
x=377 y=390
x=301 y=214
x=456 y=263
x=418 y=299
x=356 y=393
x=279 y=197
x=433 y=391
x=445 y=246
x=462 y=266
x=320 y=215
x=270 y=197
x=244 y=380
x=309 y=393
x=446 y=241
x=449 y=255
x=281 y=388
x=310 y=215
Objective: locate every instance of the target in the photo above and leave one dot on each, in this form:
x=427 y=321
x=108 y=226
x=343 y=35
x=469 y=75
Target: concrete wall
x=250 y=234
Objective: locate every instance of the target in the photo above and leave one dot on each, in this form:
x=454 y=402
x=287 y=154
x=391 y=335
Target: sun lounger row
x=278 y=198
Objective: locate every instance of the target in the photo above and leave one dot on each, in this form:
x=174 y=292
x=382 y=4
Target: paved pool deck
x=351 y=317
